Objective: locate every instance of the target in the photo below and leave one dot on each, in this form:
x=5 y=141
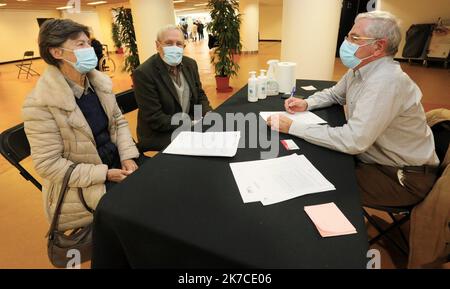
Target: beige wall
x=249 y=29
x=270 y=22
x=19 y=32
x=88 y=18
x=148 y=18
x=414 y=12
x=310 y=32
x=13 y=46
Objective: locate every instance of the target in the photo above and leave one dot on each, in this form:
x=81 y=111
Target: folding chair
x=126 y=101
x=405 y=215
x=25 y=65
x=14 y=147
x=442 y=140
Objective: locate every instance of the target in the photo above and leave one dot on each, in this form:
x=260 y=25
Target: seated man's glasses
x=171 y=43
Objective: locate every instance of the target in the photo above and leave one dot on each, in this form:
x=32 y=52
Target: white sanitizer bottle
x=252 y=87
x=262 y=85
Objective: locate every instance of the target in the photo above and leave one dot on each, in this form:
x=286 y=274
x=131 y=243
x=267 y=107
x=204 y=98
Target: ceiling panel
x=53 y=4
x=47 y=4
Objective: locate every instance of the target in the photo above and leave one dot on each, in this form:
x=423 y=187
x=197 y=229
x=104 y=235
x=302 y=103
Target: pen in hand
x=294 y=89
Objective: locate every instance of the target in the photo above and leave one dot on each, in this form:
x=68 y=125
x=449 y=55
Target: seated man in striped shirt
x=386 y=128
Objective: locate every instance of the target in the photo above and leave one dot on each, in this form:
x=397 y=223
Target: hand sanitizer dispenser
x=262 y=85
x=272 y=83
x=252 y=87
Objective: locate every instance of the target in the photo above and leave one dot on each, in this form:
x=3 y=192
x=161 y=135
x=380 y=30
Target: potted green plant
x=224 y=26
x=127 y=37
x=115 y=38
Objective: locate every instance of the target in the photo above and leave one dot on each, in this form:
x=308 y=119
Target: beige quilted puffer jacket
x=59 y=135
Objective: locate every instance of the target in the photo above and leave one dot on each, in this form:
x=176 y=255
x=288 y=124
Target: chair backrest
x=126 y=101
x=14 y=146
x=441 y=133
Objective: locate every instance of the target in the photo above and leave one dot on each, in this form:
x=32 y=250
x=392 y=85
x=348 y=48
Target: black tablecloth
x=187 y=212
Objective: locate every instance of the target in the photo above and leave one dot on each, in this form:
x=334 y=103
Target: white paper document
x=309 y=88
x=277 y=180
x=216 y=144
x=305 y=117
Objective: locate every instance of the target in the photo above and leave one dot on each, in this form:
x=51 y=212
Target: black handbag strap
x=83 y=201
x=61 y=196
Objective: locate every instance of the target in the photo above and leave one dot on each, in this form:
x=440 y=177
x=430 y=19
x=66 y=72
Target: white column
x=249 y=25
x=148 y=18
x=309 y=36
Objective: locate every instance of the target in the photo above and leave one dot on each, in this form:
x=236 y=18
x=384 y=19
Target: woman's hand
x=129 y=165
x=116 y=175
x=293 y=105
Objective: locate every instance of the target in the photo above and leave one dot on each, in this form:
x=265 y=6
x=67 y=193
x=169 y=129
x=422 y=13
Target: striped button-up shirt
x=386 y=121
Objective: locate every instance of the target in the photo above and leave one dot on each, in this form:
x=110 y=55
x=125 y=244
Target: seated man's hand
x=280 y=123
x=129 y=166
x=293 y=105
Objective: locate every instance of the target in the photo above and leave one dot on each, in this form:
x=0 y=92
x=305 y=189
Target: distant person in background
x=200 y=29
x=184 y=28
x=194 y=33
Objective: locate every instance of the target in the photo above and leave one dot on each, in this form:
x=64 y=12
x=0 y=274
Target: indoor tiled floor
x=21 y=211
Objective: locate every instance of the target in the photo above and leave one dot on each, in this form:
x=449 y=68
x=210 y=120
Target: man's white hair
x=383 y=25
x=163 y=30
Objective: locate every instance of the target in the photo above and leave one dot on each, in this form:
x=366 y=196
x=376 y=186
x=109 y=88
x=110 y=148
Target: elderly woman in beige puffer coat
x=72 y=116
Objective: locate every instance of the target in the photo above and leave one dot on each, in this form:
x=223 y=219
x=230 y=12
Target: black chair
x=25 y=65
x=14 y=146
x=126 y=101
x=400 y=215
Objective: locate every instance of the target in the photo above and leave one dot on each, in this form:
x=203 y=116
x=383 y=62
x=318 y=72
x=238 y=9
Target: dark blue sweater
x=98 y=121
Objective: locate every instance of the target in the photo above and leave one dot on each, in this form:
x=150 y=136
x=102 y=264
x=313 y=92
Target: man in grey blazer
x=166 y=84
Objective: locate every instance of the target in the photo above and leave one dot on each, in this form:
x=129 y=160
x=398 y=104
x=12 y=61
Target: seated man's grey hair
x=163 y=30
x=383 y=25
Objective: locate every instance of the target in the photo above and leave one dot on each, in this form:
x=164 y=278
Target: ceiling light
x=186 y=9
x=97 y=3
x=64 y=7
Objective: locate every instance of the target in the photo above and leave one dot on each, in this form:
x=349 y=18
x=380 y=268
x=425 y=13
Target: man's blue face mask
x=86 y=59
x=347 y=53
x=173 y=55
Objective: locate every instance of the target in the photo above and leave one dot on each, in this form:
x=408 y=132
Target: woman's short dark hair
x=54 y=33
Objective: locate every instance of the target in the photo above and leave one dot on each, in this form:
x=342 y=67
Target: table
x=187 y=212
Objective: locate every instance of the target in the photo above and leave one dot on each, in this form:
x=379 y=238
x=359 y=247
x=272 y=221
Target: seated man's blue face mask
x=347 y=54
x=173 y=55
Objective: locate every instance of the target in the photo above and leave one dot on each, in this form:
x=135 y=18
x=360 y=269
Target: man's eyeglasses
x=355 y=38
x=178 y=43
